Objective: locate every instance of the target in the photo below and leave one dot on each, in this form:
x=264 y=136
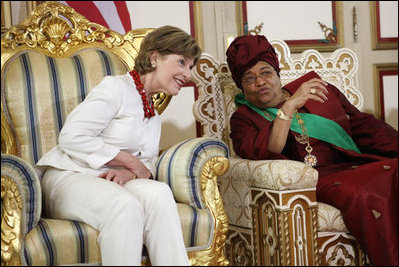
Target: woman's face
x=261 y=85
x=172 y=72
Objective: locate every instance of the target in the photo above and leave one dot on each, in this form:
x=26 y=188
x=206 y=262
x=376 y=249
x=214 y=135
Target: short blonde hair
x=166 y=40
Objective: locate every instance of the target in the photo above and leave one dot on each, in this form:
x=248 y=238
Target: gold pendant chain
x=303 y=139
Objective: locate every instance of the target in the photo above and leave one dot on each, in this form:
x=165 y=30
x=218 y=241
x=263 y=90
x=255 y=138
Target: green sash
x=317 y=126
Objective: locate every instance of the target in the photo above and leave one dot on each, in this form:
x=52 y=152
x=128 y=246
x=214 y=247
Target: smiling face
x=171 y=72
x=262 y=86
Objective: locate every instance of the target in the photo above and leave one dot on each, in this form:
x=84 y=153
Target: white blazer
x=109 y=120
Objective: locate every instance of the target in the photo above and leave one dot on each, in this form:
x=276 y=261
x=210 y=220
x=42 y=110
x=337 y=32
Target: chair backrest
x=49 y=63
x=217 y=90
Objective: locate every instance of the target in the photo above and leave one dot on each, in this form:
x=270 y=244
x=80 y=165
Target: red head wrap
x=245 y=51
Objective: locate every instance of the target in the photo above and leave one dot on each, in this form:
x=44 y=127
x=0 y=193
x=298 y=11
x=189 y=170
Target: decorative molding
x=238 y=249
x=329 y=34
x=340 y=249
x=256 y=30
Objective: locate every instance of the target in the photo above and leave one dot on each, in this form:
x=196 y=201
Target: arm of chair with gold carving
x=279 y=175
x=191 y=169
x=21 y=205
x=272 y=175
x=277 y=199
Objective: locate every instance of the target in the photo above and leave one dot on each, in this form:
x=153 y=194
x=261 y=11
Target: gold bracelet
x=282 y=115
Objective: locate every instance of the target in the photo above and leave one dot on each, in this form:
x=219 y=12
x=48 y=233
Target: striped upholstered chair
x=48 y=65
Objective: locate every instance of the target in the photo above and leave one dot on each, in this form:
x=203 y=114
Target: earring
x=153 y=65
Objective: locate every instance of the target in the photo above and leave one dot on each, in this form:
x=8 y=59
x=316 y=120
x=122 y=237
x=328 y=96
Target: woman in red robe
x=310 y=120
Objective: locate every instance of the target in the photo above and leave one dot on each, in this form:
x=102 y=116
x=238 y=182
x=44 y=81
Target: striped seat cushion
x=63 y=242
x=39 y=91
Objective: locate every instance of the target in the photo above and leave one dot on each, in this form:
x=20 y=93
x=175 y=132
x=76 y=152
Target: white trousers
x=141 y=211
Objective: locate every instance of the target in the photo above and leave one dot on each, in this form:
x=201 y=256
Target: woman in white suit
x=100 y=172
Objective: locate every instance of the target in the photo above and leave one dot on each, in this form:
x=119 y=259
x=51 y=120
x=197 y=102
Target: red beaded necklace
x=147 y=107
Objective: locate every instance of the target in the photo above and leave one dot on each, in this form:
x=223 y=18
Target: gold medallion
x=310 y=160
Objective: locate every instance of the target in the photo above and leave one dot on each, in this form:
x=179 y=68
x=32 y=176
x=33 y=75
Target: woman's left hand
x=119 y=176
x=313 y=89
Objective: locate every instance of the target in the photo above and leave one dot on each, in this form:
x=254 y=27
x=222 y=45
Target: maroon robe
x=364 y=187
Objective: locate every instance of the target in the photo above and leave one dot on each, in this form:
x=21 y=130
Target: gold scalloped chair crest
x=49 y=63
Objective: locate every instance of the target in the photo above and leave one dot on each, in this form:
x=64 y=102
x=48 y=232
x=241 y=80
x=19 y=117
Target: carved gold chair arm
x=20 y=207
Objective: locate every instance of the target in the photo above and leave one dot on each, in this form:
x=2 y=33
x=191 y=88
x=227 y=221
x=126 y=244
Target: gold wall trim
x=198 y=23
x=239 y=18
x=339 y=23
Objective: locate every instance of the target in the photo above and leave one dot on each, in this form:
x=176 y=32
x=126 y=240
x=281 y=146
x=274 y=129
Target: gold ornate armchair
x=274 y=217
x=48 y=65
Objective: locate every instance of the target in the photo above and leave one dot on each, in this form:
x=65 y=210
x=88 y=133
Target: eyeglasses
x=265 y=75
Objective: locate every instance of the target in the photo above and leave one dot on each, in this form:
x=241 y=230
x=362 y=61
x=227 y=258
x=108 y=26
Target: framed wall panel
x=384 y=34
x=321 y=29
x=386 y=92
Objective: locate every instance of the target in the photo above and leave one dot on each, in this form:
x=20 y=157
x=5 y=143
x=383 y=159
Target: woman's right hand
x=119 y=176
x=131 y=163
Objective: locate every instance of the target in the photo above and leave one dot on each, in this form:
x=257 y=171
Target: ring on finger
x=313 y=91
